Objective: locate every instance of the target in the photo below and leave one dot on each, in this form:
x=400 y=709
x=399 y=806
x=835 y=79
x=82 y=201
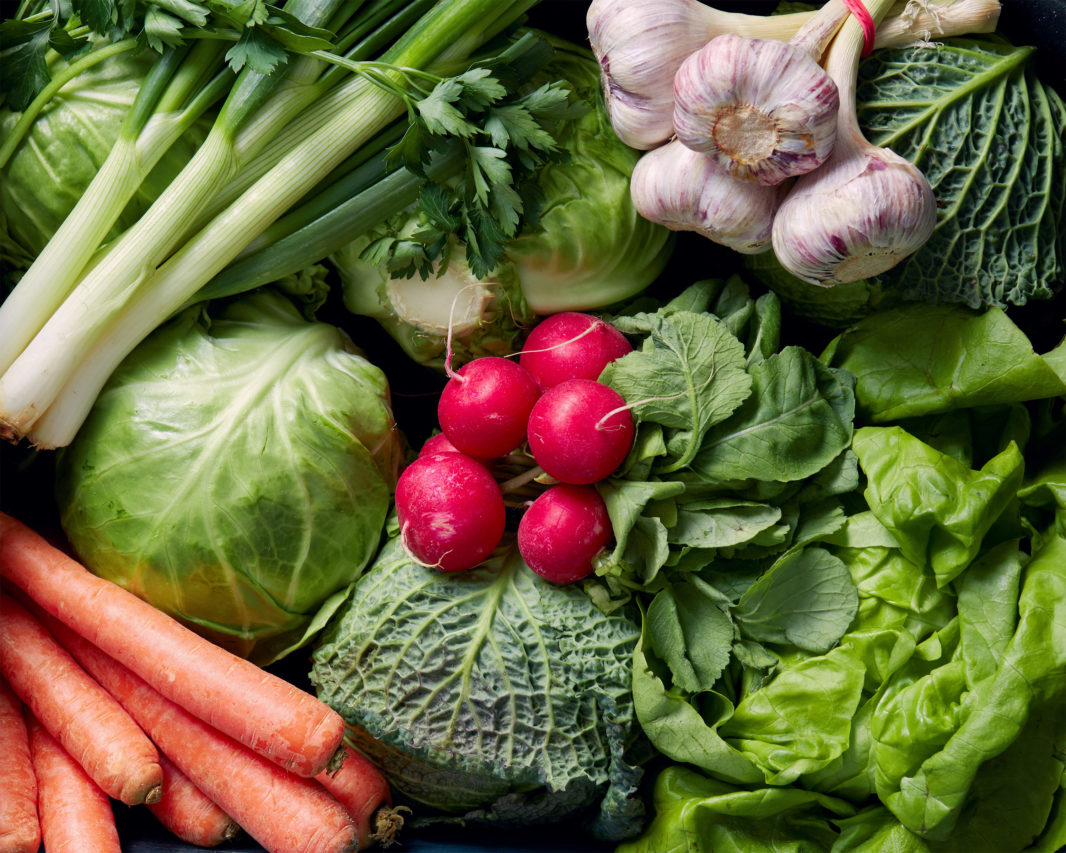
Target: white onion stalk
x=640 y=44
x=765 y=110
x=687 y=190
x=866 y=208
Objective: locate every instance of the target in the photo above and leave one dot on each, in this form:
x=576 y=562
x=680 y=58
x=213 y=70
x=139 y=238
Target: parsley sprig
x=506 y=133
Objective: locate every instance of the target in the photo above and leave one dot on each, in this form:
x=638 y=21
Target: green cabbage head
x=588 y=247
x=236 y=472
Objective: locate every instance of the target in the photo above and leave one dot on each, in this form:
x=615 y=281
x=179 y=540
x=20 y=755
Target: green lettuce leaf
x=937 y=509
x=920 y=360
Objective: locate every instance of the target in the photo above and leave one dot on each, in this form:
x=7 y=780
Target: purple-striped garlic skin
x=859 y=215
x=639 y=45
x=764 y=109
x=686 y=190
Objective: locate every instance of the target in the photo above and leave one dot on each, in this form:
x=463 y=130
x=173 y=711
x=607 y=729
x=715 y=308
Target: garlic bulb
x=866 y=208
x=686 y=190
x=857 y=216
x=640 y=44
x=764 y=109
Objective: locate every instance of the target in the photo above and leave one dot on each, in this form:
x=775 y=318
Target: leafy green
x=920 y=360
x=264 y=445
x=557 y=181
x=66 y=146
x=991 y=139
x=895 y=676
x=489 y=695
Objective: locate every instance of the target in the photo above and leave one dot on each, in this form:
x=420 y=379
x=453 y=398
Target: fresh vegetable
x=365 y=794
x=20 y=828
x=75 y=814
x=43 y=177
x=188 y=813
x=580 y=431
x=686 y=190
x=267 y=149
x=280 y=810
x=562 y=531
x=485 y=405
x=587 y=247
x=490 y=695
x=641 y=44
x=866 y=207
x=266 y=446
x=571 y=345
x=91 y=727
x=764 y=109
x=835 y=614
x=260 y=710
x=998 y=240
x=450 y=511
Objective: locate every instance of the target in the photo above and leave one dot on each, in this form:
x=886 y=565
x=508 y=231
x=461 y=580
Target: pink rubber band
x=858 y=9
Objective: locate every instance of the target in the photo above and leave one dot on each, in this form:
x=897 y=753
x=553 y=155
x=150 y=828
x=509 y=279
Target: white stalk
x=866 y=208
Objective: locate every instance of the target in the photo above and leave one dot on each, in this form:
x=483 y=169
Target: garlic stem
x=866 y=208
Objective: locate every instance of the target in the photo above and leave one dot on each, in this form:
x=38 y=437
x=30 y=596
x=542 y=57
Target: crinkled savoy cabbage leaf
x=991 y=139
x=491 y=694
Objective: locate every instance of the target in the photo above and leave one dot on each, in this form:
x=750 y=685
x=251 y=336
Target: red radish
x=580 y=431
x=484 y=407
x=450 y=510
x=562 y=531
x=437 y=443
x=571 y=345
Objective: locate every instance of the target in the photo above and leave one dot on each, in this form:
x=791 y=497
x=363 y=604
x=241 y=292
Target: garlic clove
x=686 y=190
x=639 y=45
x=856 y=217
x=765 y=110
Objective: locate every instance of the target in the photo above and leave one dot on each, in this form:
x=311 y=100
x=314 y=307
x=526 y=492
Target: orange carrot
x=264 y=712
x=20 y=830
x=284 y=812
x=92 y=727
x=76 y=815
x=187 y=811
x=363 y=790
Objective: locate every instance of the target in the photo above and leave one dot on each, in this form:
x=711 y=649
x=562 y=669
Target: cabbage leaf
x=991 y=139
x=491 y=695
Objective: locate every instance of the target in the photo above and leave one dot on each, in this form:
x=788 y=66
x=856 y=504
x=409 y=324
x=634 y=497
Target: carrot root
x=363 y=790
x=90 y=725
x=75 y=813
x=284 y=812
x=188 y=813
x=20 y=828
x=262 y=711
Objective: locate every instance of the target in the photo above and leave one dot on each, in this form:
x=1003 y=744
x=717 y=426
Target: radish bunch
x=451 y=508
